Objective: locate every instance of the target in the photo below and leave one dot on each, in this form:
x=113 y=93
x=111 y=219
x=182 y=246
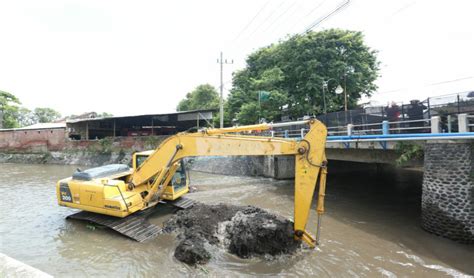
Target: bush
x=409 y=152
x=106 y=144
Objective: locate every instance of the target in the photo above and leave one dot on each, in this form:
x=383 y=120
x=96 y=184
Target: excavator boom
x=310 y=161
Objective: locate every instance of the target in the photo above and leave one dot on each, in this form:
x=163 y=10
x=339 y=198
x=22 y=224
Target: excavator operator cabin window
x=140 y=159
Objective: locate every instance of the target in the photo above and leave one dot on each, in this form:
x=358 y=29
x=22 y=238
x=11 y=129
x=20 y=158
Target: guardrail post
x=435 y=124
x=349 y=129
x=463 y=123
x=272 y=132
x=429 y=108
x=286 y=134
x=385 y=128
x=302 y=133
x=449 y=124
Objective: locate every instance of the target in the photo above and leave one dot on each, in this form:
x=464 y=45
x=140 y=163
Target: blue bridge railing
x=424 y=129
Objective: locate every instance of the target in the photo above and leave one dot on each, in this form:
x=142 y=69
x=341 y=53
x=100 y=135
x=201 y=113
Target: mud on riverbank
x=244 y=231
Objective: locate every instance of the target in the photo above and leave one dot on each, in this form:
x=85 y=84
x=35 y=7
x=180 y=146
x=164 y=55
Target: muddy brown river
x=371 y=229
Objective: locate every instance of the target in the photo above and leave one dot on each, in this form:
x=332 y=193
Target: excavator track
x=135 y=226
x=182 y=203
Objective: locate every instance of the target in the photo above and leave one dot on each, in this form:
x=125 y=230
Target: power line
x=251 y=21
x=308 y=14
x=320 y=20
x=428 y=85
x=290 y=16
x=401 y=9
x=280 y=16
x=450 y=81
x=265 y=20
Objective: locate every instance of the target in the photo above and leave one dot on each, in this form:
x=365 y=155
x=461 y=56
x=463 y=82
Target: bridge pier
x=448 y=190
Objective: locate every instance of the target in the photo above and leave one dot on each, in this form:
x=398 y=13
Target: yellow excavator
x=120 y=197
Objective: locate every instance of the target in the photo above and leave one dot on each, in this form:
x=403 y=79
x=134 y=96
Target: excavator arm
x=310 y=163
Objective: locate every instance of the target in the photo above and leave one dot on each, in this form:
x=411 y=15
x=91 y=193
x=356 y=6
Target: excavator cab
x=179 y=184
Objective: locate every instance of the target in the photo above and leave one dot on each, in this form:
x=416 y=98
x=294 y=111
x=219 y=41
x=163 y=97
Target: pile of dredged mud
x=242 y=230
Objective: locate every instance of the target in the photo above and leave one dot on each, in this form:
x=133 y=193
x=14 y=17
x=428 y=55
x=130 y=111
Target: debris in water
x=192 y=251
x=242 y=230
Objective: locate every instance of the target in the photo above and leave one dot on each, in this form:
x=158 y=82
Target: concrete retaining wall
x=448 y=190
x=229 y=165
x=279 y=167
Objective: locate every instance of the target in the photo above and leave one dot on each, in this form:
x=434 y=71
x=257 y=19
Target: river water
x=371 y=229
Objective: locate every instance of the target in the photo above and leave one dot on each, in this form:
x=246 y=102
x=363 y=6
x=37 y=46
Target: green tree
x=46 y=115
x=203 y=96
x=293 y=72
x=9 y=109
x=26 y=117
x=104 y=115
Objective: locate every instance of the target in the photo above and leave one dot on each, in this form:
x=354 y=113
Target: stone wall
x=448 y=190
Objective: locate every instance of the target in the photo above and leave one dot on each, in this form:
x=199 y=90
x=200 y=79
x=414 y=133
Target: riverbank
x=234 y=166
x=85 y=152
x=67 y=158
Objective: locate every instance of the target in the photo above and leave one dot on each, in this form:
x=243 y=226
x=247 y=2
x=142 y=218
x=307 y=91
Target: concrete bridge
x=448 y=180
x=377 y=142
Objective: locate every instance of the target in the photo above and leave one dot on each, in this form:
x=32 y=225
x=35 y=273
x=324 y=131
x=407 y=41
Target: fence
x=400 y=128
x=413 y=116
x=441 y=114
x=470 y=123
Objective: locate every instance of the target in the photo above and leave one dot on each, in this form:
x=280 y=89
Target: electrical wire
x=308 y=14
x=251 y=21
x=265 y=20
x=428 y=85
x=280 y=16
x=320 y=20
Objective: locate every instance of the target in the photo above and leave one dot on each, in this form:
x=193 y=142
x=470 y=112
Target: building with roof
x=140 y=125
x=82 y=132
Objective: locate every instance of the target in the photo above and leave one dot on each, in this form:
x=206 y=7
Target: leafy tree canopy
x=46 y=115
x=293 y=73
x=104 y=115
x=203 y=96
x=16 y=116
x=9 y=109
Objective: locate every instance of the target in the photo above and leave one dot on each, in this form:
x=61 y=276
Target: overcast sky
x=138 y=57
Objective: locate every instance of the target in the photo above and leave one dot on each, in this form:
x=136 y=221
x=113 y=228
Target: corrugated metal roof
x=38 y=126
x=144 y=115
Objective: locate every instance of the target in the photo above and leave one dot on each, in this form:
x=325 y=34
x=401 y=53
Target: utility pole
x=221 y=61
